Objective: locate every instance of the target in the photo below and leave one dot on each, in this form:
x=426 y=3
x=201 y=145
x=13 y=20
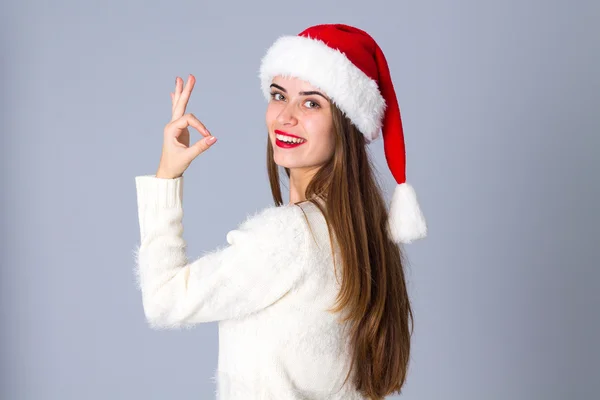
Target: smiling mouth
x=287 y=140
x=288 y=137
x=288 y=145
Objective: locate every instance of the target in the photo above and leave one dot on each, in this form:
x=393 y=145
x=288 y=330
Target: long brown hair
x=373 y=291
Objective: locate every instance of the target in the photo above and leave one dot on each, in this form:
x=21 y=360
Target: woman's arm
x=265 y=258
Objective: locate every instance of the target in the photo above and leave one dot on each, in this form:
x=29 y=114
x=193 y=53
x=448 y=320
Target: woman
x=310 y=296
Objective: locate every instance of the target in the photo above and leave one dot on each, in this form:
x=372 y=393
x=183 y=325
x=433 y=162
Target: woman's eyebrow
x=313 y=92
x=301 y=93
x=278 y=87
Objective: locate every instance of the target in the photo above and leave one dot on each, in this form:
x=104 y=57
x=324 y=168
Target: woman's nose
x=286 y=116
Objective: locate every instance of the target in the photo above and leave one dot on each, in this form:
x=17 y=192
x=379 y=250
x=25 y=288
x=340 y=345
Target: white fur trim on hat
x=405 y=221
x=330 y=70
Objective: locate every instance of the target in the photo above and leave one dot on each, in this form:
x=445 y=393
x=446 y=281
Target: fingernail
x=211 y=140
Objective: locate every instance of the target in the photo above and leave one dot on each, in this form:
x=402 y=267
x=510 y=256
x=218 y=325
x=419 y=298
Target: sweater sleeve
x=266 y=257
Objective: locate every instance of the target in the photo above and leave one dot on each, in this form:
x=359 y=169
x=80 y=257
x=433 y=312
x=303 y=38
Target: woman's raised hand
x=177 y=154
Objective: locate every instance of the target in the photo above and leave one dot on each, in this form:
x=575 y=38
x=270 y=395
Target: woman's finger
x=175 y=96
x=190 y=120
x=182 y=101
x=177 y=92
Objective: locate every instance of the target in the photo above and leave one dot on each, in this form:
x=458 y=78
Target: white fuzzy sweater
x=269 y=288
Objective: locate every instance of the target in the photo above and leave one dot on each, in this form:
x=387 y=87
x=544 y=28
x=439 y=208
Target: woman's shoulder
x=274 y=216
x=281 y=215
x=275 y=224
x=289 y=232
x=283 y=223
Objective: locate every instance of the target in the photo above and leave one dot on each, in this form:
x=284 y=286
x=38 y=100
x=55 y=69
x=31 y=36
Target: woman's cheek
x=270 y=116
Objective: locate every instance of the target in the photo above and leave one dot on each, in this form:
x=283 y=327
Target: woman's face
x=297 y=108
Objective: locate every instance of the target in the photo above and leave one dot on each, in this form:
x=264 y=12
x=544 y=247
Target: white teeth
x=288 y=139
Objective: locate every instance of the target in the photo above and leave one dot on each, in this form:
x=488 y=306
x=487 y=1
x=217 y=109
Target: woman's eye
x=274 y=96
x=313 y=104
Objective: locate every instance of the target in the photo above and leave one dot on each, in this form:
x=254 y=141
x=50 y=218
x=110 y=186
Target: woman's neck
x=299 y=180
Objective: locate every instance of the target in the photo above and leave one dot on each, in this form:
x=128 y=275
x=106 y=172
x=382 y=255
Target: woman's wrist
x=164 y=175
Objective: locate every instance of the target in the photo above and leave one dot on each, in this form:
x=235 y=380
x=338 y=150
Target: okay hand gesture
x=177 y=154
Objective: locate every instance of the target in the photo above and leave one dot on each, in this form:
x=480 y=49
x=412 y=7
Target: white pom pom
x=406 y=221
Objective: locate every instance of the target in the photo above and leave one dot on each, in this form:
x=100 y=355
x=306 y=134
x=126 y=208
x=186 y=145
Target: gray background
x=500 y=103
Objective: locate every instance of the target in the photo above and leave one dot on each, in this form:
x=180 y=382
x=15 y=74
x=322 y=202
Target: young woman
x=310 y=295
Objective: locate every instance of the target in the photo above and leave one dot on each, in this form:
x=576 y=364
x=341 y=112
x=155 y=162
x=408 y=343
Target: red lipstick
x=286 y=145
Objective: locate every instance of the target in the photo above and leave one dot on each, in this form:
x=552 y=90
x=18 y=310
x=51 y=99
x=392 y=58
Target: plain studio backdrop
x=500 y=103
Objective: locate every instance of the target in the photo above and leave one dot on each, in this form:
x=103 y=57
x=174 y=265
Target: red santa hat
x=348 y=65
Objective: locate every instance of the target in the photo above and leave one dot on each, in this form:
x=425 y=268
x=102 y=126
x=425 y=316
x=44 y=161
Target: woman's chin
x=282 y=162
x=285 y=164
